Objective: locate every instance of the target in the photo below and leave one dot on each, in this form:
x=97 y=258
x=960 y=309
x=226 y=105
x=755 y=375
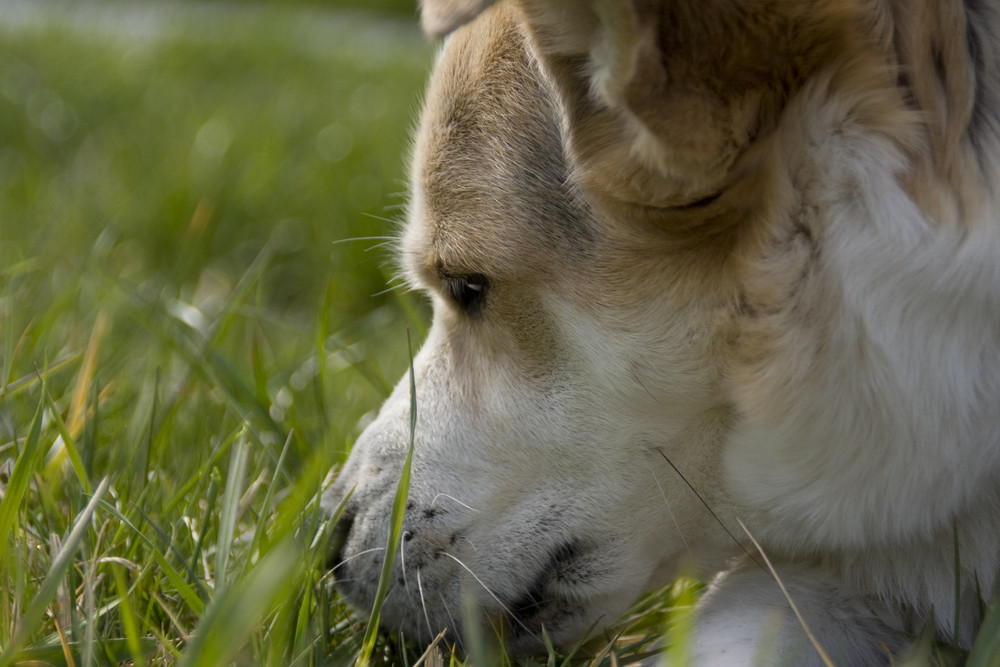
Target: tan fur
x=750 y=242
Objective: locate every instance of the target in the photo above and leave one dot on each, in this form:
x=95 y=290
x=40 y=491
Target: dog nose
x=338 y=538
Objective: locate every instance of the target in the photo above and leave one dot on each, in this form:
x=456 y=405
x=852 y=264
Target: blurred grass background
x=185 y=316
x=154 y=158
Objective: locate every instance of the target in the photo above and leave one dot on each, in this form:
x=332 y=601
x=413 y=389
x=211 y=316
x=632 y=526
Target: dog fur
x=737 y=254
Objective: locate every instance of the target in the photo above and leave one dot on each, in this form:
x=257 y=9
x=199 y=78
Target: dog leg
x=745 y=619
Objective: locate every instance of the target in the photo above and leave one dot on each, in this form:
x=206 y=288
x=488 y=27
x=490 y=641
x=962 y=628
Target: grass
x=189 y=335
x=189 y=338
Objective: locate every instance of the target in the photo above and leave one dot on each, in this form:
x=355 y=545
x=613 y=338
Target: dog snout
x=338 y=538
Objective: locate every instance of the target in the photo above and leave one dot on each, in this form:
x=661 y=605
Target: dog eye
x=467 y=292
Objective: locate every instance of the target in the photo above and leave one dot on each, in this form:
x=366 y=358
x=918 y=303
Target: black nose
x=338 y=538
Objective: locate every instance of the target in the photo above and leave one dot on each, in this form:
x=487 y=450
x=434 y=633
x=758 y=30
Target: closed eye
x=468 y=292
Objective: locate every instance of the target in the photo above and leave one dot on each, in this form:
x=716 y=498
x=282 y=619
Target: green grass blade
x=210 y=498
x=25 y=466
x=127 y=615
x=230 y=505
x=211 y=366
x=33 y=614
x=234 y=614
x=986 y=649
x=395 y=528
x=28 y=381
x=217 y=455
x=70 y=444
x=187 y=593
x=116 y=649
x=269 y=494
x=680 y=626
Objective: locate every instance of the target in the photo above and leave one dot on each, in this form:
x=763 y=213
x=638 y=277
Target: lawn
x=198 y=315
x=196 y=319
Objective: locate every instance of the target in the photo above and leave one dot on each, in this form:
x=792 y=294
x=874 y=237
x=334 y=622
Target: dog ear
x=662 y=98
x=440 y=17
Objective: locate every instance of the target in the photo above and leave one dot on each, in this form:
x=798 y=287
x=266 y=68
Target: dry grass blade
x=429 y=655
x=791 y=603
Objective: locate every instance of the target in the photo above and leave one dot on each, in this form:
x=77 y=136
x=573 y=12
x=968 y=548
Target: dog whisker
x=711 y=511
x=670 y=511
x=486 y=588
x=391 y=288
x=423 y=604
x=402 y=557
x=451 y=620
x=353 y=239
x=353 y=556
x=392 y=221
x=453 y=499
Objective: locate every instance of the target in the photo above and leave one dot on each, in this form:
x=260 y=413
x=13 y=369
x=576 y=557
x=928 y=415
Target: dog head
x=607 y=215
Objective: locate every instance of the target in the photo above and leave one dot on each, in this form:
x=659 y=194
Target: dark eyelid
x=467 y=291
x=448 y=273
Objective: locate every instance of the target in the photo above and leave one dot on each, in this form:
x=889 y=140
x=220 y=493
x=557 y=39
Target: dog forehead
x=489 y=175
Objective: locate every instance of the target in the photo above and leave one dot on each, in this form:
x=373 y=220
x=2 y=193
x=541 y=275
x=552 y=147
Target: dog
x=715 y=285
